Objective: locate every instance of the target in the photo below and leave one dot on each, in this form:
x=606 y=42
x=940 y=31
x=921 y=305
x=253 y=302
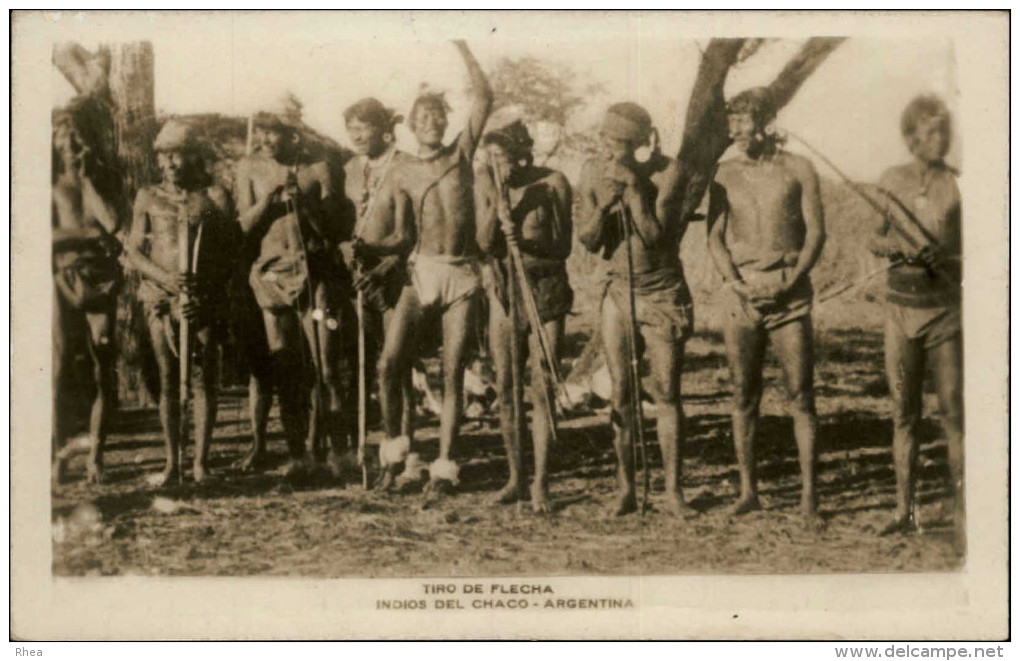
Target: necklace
x=370 y=190
x=921 y=200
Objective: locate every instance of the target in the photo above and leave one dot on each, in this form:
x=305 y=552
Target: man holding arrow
x=369 y=217
x=289 y=208
x=923 y=325
x=525 y=208
x=182 y=206
x=628 y=212
x=767 y=233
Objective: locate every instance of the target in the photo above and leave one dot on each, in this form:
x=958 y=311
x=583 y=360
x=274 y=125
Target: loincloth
x=794 y=304
x=549 y=283
x=278 y=281
x=662 y=302
x=443 y=280
x=932 y=326
x=88 y=278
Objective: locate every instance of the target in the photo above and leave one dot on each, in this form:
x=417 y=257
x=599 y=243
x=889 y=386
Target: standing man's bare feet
x=540 y=499
x=676 y=506
x=625 y=503
x=746 y=504
x=813 y=522
x=508 y=495
x=94 y=471
x=169 y=476
x=200 y=472
x=252 y=462
x=901 y=523
x=435 y=492
x=386 y=479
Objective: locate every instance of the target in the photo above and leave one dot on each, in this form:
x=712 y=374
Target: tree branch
x=706 y=135
x=797 y=70
x=87 y=73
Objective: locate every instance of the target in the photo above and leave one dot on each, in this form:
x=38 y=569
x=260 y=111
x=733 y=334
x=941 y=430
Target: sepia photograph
x=527 y=314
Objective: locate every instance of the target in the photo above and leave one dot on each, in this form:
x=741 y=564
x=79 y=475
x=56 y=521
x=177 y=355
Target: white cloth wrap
x=444 y=469
x=394 y=450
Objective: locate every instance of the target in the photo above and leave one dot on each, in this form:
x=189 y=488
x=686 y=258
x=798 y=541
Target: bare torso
x=155 y=239
x=648 y=255
x=163 y=212
x=764 y=207
x=932 y=196
x=79 y=210
x=540 y=203
x=260 y=177
x=441 y=192
x=364 y=186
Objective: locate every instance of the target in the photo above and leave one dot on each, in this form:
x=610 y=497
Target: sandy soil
x=260 y=525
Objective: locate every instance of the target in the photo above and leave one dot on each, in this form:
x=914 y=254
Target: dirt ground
x=259 y=525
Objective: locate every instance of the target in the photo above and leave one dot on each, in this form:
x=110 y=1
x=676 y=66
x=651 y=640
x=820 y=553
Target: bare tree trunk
x=133 y=90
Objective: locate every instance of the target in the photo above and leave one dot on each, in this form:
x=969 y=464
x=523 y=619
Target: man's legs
x=169 y=402
x=322 y=341
x=251 y=333
x=614 y=337
x=503 y=331
x=260 y=401
x=947 y=361
x=407 y=395
x=666 y=357
x=393 y=370
x=794 y=344
x=284 y=338
x=745 y=352
x=904 y=368
x=543 y=409
x=458 y=320
x=205 y=391
x=104 y=356
x=62 y=356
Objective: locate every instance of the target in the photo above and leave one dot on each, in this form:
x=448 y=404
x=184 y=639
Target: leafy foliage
x=547 y=91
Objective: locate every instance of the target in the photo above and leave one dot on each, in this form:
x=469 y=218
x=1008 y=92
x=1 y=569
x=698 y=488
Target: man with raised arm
x=615 y=189
x=289 y=208
x=443 y=268
x=537 y=219
x=767 y=233
x=153 y=248
x=86 y=277
x=923 y=325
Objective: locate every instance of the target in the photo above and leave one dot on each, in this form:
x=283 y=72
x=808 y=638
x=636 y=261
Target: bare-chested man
x=614 y=189
x=153 y=249
x=768 y=232
x=923 y=324
x=369 y=219
x=290 y=209
x=538 y=221
x=443 y=267
x=87 y=277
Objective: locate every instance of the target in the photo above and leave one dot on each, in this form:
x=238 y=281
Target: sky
x=234 y=62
